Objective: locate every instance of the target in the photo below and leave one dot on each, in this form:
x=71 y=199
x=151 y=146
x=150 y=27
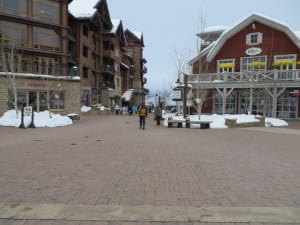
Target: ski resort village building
x=252 y=67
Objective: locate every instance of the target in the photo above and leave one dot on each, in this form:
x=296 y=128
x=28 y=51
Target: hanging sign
x=253 y=51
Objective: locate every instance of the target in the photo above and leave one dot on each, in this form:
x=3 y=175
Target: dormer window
x=254 y=38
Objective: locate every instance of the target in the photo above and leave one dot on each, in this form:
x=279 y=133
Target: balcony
x=268 y=75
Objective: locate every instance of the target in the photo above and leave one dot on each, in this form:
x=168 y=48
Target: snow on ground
x=218 y=121
x=41 y=119
x=49 y=119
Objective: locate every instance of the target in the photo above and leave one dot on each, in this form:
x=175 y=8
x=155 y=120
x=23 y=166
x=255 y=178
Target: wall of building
x=70 y=87
x=274 y=42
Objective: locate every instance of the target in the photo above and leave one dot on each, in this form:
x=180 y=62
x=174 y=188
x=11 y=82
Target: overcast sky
x=170 y=25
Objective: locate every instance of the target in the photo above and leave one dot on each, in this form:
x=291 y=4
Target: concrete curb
x=149 y=213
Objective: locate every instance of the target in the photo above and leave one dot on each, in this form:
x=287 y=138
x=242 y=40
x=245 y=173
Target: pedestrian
x=142 y=115
x=157 y=114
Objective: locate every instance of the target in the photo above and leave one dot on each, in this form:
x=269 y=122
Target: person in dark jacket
x=157 y=114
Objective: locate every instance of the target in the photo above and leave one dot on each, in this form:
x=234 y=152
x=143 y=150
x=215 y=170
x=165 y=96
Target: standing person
x=157 y=114
x=142 y=114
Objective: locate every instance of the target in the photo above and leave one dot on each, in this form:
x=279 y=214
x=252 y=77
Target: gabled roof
x=138 y=36
x=203 y=52
x=87 y=10
x=248 y=20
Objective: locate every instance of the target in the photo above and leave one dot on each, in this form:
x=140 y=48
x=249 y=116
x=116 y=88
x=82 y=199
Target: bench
x=172 y=121
x=203 y=124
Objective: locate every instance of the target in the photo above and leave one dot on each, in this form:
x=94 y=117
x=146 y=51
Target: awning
x=127 y=95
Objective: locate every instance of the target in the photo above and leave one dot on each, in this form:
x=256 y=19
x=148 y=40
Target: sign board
x=253 y=51
x=295 y=93
x=176 y=95
x=28 y=111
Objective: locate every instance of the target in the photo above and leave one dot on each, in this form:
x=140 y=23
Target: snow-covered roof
x=77 y=10
x=138 y=34
x=202 y=53
x=116 y=23
x=246 y=21
x=297 y=33
x=214 y=29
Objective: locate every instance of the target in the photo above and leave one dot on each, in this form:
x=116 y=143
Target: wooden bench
x=203 y=124
x=171 y=121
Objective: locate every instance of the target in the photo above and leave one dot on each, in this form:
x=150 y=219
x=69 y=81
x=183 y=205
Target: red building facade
x=249 y=68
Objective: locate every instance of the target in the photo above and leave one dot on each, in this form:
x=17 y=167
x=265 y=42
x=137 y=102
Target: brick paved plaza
x=107 y=161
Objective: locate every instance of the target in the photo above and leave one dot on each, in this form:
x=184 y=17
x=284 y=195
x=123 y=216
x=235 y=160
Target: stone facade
x=70 y=88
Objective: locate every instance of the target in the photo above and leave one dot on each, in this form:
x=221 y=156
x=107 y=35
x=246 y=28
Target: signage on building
x=37 y=84
x=28 y=111
x=295 y=93
x=253 y=51
x=176 y=95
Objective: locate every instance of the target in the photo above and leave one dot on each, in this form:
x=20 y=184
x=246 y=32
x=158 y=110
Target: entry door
x=32 y=100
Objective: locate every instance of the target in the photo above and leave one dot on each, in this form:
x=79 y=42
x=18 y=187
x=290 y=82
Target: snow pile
x=41 y=119
x=85 y=108
x=218 y=121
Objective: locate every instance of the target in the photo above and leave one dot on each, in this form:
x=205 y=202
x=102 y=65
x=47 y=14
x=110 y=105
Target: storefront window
x=57 y=99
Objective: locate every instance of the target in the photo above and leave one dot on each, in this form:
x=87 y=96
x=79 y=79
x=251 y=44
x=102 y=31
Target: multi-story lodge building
x=103 y=55
x=252 y=67
x=57 y=56
x=34 y=57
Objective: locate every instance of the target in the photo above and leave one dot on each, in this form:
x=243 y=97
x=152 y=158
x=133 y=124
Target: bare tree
x=9 y=65
x=202 y=90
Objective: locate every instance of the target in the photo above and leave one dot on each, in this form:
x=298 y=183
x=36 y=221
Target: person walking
x=142 y=115
x=157 y=114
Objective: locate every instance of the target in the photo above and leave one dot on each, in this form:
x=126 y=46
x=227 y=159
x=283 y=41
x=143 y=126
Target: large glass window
x=14 y=7
x=13 y=33
x=46 y=39
x=286 y=106
x=57 y=99
x=46 y=10
x=253 y=63
x=230 y=103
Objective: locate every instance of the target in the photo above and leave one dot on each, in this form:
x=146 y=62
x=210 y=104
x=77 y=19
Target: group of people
x=143 y=113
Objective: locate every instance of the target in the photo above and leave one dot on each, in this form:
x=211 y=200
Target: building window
x=85 y=72
x=57 y=99
x=85 y=51
x=285 y=64
x=46 y=39
x=225 y=65
x=85 y=30
x=46 y=10
x=13 y=33
x=253 y=63
x=45 y=65
x=14 y=7
x=130 y=52
x=254 y=38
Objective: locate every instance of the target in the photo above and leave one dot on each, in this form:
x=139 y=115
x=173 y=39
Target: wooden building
x=252 y=67
x=34 y=57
